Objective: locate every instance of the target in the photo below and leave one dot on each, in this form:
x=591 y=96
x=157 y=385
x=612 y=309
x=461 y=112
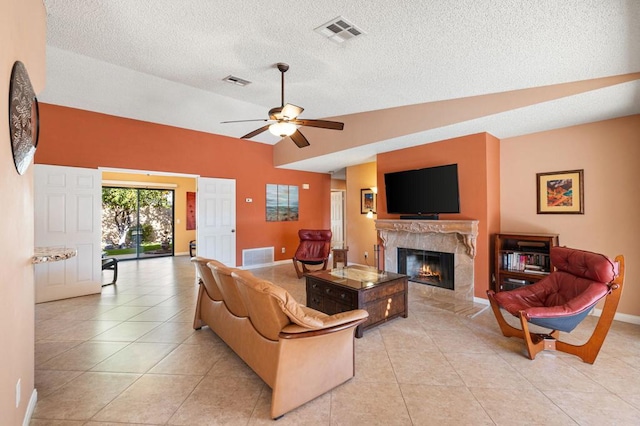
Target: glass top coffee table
x=383 y=294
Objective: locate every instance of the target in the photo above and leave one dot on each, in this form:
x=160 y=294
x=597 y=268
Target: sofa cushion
x=208 y=280
x=271 y=308
x=229 y=289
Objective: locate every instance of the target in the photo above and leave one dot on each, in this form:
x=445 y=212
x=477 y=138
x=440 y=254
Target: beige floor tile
x=121 y=313
x=159 y=313
x=546 y=373
x=37 y=422
x=127 y=331
x=486 y=371
x=374 y=366
x=364 y=403
x=151 y=399
x=135 y=358
x=220 y=400
x=47 y=349
x=189 y=359
x=169 y=332
x=47 y=381
x=396 y=336
x=443 y=405
x=147 y=300
x=185 y=315
x=590 y=408
x=83 y=396
x=500 y=405
x=613 y=374
x=459 y=341
x=84 y=356
x=84 y=312
x=428 y=368
x=83 y=330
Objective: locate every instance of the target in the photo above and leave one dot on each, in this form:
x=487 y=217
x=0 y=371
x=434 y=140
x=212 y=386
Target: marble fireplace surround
x=450 y=236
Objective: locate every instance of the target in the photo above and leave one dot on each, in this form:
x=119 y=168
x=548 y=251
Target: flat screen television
x=429 y=191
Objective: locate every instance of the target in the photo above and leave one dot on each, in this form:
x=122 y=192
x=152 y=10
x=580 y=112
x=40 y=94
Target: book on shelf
x=535 y=271
x=515 y=281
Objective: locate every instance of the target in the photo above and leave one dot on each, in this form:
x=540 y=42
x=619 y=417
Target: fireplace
x=434 y=268
x=449 y=236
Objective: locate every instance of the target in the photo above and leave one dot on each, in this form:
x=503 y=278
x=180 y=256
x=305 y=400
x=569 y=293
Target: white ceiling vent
x=236 y=80
x=339 y=30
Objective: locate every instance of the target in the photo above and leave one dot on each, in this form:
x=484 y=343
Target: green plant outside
x=145 y=248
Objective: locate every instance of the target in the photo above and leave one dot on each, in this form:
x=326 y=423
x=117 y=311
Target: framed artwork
x=560 y=192
x=282 y=203
x=368 y=201
x=191 y=211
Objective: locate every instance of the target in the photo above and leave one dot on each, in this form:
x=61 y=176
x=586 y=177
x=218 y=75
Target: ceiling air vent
x=339 y=30
x=236 y=80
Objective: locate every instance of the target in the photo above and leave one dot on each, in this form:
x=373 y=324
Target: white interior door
x=337 y=218
x=216 y=220
x=68 y=205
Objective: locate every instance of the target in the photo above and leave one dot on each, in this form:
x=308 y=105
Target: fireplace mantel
x=467 y=229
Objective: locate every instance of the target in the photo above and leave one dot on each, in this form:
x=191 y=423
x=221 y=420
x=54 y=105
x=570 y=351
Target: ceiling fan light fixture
x=283 y=128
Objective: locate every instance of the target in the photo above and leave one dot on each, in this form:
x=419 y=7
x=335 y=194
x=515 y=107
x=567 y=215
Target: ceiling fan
x=286 y=121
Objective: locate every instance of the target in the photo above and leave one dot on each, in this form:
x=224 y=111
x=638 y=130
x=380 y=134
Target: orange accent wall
x=78 y=138
x=478 y=159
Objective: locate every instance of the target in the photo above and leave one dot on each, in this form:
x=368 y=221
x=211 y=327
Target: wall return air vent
x=339 y=30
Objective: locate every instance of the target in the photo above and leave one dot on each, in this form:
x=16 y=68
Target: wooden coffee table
x=383 y=294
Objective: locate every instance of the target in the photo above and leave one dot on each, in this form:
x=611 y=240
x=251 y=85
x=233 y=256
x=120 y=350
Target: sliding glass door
x=137 y=223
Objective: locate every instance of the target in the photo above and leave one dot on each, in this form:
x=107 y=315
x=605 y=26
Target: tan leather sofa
x=299 y=352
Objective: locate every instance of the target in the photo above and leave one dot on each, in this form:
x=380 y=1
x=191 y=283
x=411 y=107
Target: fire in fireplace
x=427 y=267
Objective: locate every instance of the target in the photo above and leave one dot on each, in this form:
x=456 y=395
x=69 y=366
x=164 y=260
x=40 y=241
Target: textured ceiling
x=164 y=61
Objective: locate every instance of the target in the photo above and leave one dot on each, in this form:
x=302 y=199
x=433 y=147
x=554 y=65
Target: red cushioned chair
x=561 y=300
x=314 y=249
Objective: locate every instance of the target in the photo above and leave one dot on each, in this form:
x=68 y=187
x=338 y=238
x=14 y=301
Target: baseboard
x=480 y=300
x=30 y=408
x=264 y=265
x=182 y=253
x=631 y=319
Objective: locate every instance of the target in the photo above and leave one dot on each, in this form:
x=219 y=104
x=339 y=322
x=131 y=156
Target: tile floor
x=130 y=356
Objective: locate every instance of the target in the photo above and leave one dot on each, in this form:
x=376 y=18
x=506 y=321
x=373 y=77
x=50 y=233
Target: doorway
x=338 y=219
x=137 y=223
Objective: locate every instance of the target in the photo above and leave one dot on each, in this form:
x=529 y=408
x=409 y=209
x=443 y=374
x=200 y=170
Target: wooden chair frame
x=537 y=342
x=300 y=273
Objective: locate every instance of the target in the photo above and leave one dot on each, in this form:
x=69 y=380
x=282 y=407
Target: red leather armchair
x=563 y=299
x=314 y=249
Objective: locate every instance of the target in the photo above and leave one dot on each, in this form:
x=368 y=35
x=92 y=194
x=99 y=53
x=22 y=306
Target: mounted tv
x=423 y=193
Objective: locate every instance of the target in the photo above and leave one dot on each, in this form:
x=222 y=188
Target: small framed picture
x=560 y=192
x=367 y=201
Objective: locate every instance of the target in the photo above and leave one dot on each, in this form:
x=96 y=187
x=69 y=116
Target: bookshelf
x=522 y=259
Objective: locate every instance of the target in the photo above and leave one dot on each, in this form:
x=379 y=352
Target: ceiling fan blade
x=255 y=132
x=299 y=139
x=244 y=121
x=291 y=111
x=323 y=124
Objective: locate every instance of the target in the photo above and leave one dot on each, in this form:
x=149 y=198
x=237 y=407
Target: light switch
x=305 y=186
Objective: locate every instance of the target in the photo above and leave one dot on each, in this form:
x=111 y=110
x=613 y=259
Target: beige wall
x=22 y=37
x=185 y=184
x=609 y=152
x=361 y=231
